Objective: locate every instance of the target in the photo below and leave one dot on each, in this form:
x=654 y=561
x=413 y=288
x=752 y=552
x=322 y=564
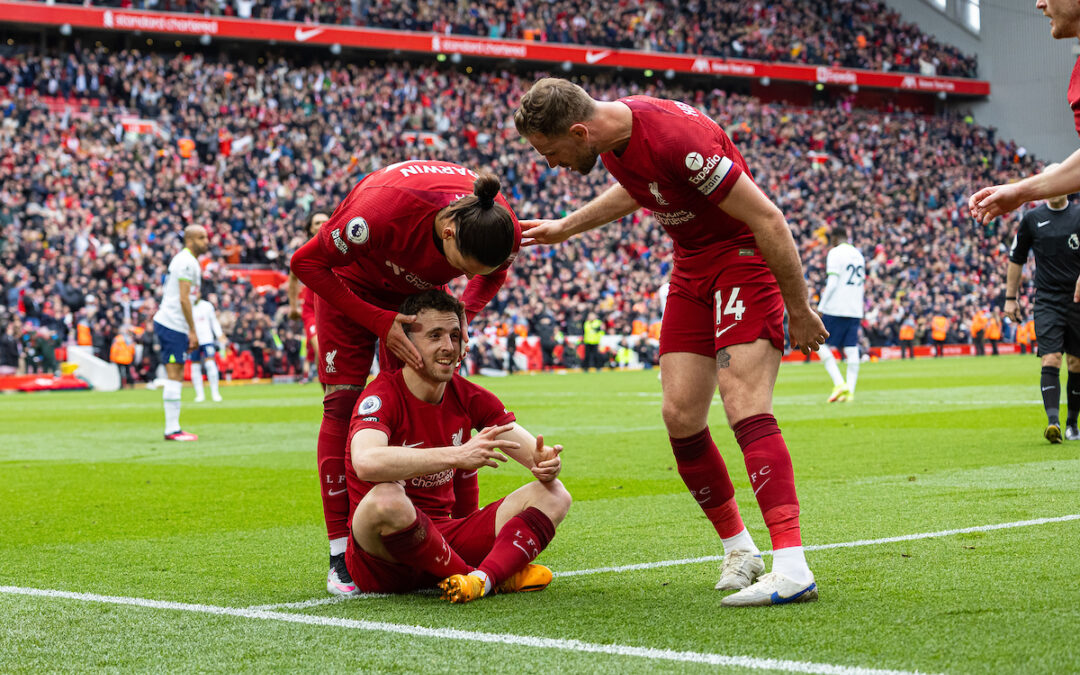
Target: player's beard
x=437 y=372
x=585 y=161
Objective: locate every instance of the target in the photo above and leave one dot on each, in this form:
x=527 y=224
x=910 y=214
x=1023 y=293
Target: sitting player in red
x=410 y=435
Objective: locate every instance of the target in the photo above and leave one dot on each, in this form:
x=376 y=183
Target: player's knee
x=680 y=420
x=552 y=498
x=387 y=506
x=1052 y=360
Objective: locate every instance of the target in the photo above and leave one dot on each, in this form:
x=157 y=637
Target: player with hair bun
x=405 y=228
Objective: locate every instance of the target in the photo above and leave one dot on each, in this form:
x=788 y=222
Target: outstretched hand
x=548 y=464
x=483 y=449
x=399 y=344
x=535 y=232
x=991 y=202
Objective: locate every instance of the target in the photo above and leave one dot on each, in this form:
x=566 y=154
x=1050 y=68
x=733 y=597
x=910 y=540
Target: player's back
x=386 y=226
x=849 y=267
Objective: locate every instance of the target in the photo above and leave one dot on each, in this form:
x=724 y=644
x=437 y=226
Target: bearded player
x=736 y=267
x=410 y=434
x=408 y=227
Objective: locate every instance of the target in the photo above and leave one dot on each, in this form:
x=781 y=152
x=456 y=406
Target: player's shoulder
x=381 y=395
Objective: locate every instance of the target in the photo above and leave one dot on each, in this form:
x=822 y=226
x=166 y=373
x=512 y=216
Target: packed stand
x=90 y=214
x=847 y=33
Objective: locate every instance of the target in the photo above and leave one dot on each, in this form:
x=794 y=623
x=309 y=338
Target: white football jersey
x=207 y=328
x=184 y=267
x=844 y=290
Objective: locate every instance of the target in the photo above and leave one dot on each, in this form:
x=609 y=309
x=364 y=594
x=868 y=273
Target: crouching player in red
x=410 y=435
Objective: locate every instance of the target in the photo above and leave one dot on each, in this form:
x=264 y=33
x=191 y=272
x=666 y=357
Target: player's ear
x=579 y=132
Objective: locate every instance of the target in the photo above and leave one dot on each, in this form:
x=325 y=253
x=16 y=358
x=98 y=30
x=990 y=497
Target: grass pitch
x=93 y=502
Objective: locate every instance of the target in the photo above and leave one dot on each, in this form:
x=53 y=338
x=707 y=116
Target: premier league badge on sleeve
x=369 y=405
x=357 y=230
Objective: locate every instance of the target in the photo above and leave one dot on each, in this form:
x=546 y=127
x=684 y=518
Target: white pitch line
x=473 y=636
x=319 y=601
x=822 y=547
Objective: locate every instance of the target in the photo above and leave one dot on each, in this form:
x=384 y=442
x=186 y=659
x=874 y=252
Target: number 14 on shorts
x=734 y=307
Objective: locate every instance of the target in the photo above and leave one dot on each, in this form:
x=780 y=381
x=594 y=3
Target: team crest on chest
x=457 y=436
x=654 y=188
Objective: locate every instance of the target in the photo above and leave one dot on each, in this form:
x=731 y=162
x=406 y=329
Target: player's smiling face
x=1064 y=17
x=437 y=336
x=571 y=151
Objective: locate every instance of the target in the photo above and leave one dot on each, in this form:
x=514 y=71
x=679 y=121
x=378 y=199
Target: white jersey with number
x=207 y=328
x=184 y=267
x=844 y=290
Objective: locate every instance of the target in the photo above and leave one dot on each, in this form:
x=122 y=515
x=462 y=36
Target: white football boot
x=772 y=589
x=739 y=569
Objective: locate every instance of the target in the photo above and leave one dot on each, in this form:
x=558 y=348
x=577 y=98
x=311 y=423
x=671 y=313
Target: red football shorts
x=346 y=349
x=705 y=315
x=472 y=537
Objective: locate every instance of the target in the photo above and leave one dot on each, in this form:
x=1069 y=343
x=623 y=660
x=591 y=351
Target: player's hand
x=1076 y=293
x=1012 y=309
x=548 y=464
x=483 y=449
x=805 y=330
x=399 y=344
x=535 y=232
x=192 y=341
x=991 y=202
x=294 y=312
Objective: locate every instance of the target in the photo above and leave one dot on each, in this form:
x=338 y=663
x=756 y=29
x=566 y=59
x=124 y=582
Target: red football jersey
x=380 y=244
x=1074 y=94
x=680 y=164
x=408 y=422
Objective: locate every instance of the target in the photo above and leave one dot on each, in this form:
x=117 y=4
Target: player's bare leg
x=525 y=523
x=745 y=376
x=688 y=383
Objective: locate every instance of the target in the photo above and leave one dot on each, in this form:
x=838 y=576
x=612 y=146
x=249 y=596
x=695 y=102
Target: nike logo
x=778 y=600
x=335 y=493
x=1047 y=388
x=469 y=475
x=594 y=57
x=724 y=330
x=411 y=445
x=1045 y=222
x=302 y=35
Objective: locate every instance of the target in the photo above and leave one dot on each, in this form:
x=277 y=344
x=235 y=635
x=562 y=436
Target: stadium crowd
x=91 y=210
x=851 y=33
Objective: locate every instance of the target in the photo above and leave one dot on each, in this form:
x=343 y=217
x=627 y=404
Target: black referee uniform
x=1054 y=237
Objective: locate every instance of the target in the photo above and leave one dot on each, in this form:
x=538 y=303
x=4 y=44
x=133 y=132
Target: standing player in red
x=411 y=433
x=736 y=267
x=302 y=300
x=405 y=228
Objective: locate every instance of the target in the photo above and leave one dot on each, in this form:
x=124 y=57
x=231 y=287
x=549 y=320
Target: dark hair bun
x=486 y=187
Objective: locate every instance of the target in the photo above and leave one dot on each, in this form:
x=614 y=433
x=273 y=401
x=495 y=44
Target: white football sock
x=485 y=577
x=170 y=399
x=824 y=353
x=196 y=379
x=851 y=355
x=213 y=377
x=337 y=546
x=741 y=542
x=791 y=562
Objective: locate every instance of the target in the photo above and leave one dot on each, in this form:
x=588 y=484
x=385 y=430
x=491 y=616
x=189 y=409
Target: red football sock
x=769 y=464
x=466 y=493
x=703 y=470
x=518 y=543
x=422 y=546
x=333 y=435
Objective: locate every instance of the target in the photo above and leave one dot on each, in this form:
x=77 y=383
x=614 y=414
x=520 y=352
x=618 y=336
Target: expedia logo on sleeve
x=340 y=243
